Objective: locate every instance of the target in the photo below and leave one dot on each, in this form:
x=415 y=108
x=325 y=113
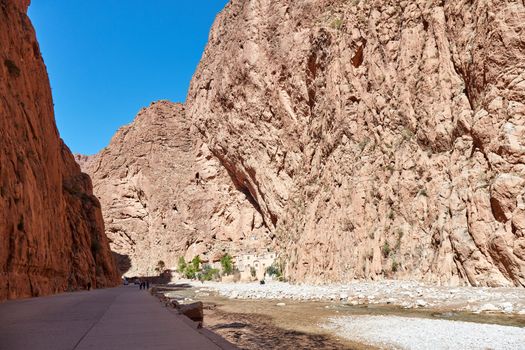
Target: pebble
x=407 y=294
x=506 y=307
x=487 y=308
x=422 y=334
x=421 y=303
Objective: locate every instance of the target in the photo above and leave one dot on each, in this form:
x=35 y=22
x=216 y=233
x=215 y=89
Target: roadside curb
x=172 y=306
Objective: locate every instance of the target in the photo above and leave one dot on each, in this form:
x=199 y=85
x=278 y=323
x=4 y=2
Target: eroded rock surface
x=51 y=229
x=378 y=138
x=164 y=195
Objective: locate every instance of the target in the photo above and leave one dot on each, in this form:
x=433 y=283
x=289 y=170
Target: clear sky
x=106 y=59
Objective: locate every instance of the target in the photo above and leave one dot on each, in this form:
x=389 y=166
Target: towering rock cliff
x=51 y=229
x=165 y=196
x=378 y=138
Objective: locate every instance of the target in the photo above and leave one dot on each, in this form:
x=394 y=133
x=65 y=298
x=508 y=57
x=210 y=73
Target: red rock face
x=165 y=195
x=381 y=139
x=51 y=229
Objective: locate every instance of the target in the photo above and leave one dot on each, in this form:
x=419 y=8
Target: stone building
x=258 y=261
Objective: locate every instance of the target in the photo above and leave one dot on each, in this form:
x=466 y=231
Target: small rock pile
x=185 y=306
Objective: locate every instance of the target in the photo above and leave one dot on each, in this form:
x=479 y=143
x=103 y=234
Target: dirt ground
x=256 y=331
x=288 y=324
x=262 y=324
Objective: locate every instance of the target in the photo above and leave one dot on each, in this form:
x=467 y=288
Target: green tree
x=227 y=264
x=161 y=266
x=181 y=266
x=196 y=263
x=273 y=270
x=190 y=272
x=208 y=273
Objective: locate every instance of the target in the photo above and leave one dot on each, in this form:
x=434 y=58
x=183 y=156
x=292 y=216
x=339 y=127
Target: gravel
x=407 y=294
x=396 y=332
x=393 y=332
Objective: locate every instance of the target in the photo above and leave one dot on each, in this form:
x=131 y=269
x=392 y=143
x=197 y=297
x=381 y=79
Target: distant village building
x=259 y=262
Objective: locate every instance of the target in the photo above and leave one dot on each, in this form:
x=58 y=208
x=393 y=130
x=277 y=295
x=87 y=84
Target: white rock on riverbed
x=422 y=334
x=407 y=294
x=421 y=303
x=487 y=308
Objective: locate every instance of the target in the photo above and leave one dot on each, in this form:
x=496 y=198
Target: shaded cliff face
x=51 y=229
x=165 y=196
x=379 y=138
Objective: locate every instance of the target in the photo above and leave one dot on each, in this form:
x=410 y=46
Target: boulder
x=193 y=310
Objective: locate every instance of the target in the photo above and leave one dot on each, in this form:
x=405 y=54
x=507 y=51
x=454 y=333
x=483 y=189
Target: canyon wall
x=51 y=228
x=379 y=139
x=165 y=196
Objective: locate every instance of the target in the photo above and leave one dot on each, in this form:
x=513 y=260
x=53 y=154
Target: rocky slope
x=164 y=195
x=51 y=230
x=378 y=138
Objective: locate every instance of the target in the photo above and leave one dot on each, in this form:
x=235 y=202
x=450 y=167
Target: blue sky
x=107 y=59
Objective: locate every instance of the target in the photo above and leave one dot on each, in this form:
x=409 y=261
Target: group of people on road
x=144 y=284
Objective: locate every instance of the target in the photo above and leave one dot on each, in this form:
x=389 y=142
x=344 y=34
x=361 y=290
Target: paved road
x=116 y=318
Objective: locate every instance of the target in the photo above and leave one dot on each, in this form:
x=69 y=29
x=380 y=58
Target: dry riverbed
x=363 y=315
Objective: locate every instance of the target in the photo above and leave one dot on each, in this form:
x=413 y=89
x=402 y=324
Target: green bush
x=181 y=266
x=395 y=266
x=189 y=270
x=196 y=263
x=161 y=266
x=274 y=271
x=208 y=273
x=400 y=234
x=227 y=264
x=386 y=249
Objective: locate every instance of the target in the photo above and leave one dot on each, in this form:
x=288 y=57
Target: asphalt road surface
x=116 y=318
